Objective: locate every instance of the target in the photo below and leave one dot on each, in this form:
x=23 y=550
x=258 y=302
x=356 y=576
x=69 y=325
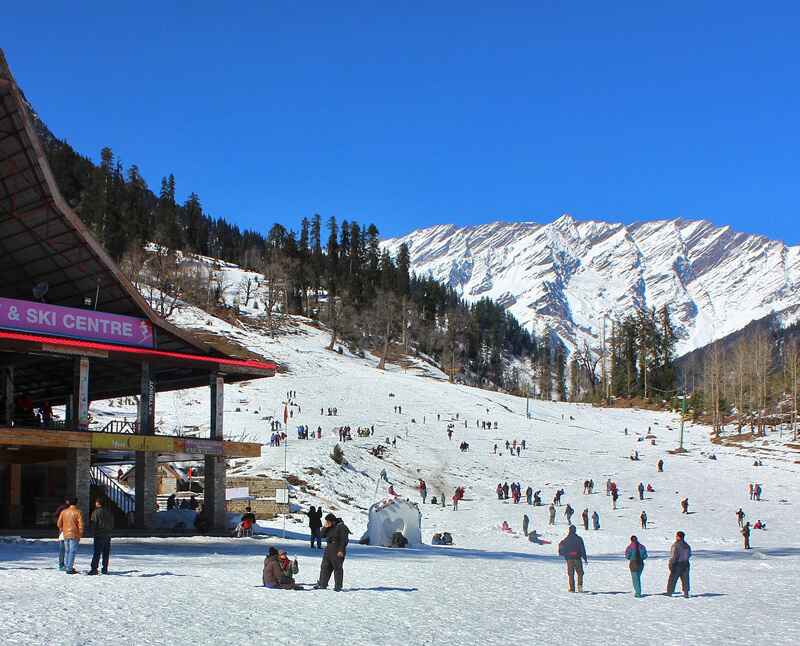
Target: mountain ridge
x=563 y=276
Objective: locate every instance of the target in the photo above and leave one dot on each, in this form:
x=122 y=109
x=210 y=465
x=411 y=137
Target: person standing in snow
x=529 y=495
x=661 y=466
x=505 y=490
x=552 y=514
x=525 y=523
x=499 y=491
x=70 y=524
x=684 y=505
x=568 y=511
x=740 y=517
x=61 y=544
x=573 y=550
x=614 y=498
x=680 y=554
x=641 y=491
x=595 y=520
x=423 y=491
x=608 y=487
x=746 y=535
x=585 y=519
x=643 y=519
x=102 y=523
x=315 y=526
x=336 y=535
x=636 y=553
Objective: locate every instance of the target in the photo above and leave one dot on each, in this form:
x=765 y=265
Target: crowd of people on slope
x=514 y=448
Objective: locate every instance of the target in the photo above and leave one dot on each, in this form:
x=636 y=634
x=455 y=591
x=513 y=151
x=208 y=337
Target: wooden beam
x=16 y=436
x=241 y=449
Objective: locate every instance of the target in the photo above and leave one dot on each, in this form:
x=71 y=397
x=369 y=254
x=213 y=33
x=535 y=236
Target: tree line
x=635 y=360
x=334 y=271
x=750 y=378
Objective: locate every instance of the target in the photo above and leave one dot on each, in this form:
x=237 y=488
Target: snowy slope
x=566 y=274
x=490 y=587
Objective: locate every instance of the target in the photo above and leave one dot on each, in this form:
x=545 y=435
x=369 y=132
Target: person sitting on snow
x=273 y=575
x=505 y=527
x=246 y=524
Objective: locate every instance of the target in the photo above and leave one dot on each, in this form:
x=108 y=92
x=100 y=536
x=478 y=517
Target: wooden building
x=73 y=329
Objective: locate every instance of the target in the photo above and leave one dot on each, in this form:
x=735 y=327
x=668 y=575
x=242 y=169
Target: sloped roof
x=42 y=240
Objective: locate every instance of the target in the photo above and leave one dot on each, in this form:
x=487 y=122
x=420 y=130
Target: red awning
x=142 y=353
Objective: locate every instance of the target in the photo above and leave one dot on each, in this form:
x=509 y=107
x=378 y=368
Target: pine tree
x=561 y=370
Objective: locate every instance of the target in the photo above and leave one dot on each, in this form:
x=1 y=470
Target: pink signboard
x=89 y=325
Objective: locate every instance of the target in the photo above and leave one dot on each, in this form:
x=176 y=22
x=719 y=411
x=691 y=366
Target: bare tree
x=386 y=307
x=275 y=272
x=159 y=276
x=792 y=368
x=247 y=288
x=456 y=327
x=588 y=359
x=339 y=316
x=712 y=379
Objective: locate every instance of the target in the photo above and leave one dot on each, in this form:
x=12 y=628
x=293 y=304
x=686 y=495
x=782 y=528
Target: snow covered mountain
x=567 y=274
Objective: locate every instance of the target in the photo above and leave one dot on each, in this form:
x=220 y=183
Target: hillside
x=566 y=274
x=490 y=586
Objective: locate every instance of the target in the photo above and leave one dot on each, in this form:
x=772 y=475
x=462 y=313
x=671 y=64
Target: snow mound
x=394 y=515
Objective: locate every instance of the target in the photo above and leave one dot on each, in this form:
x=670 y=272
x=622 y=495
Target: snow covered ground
x=490 y=587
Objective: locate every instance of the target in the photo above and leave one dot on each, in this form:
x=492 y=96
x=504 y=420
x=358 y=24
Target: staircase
x=124 y=501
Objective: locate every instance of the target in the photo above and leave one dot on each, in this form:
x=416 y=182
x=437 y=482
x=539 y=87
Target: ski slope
x=490 y=587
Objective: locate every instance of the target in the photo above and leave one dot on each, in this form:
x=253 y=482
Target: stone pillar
x=146 y=463
x=80 y=395
x=14 y=496
x=8 y=395
x=214 y=482
x=79 y=460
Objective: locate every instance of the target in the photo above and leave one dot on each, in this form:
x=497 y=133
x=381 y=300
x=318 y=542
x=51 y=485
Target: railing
x=121 y=426
x=116 y=494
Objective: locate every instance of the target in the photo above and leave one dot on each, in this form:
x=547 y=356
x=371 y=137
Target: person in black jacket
x=573 y=550
x=102 y=524
x=315 y=525
x=335 y=533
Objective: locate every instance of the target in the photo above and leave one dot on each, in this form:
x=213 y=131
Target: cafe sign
x=88 y=325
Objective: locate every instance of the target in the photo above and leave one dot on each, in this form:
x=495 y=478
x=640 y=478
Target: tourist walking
x=679 y=556
x=572 y=549
x=636 y=553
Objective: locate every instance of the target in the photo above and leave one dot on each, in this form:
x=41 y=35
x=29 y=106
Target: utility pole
x=683 y=416
x=527 y=402
x=603 y=361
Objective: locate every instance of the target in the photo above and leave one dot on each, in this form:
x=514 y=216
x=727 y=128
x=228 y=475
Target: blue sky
x=412 y=114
